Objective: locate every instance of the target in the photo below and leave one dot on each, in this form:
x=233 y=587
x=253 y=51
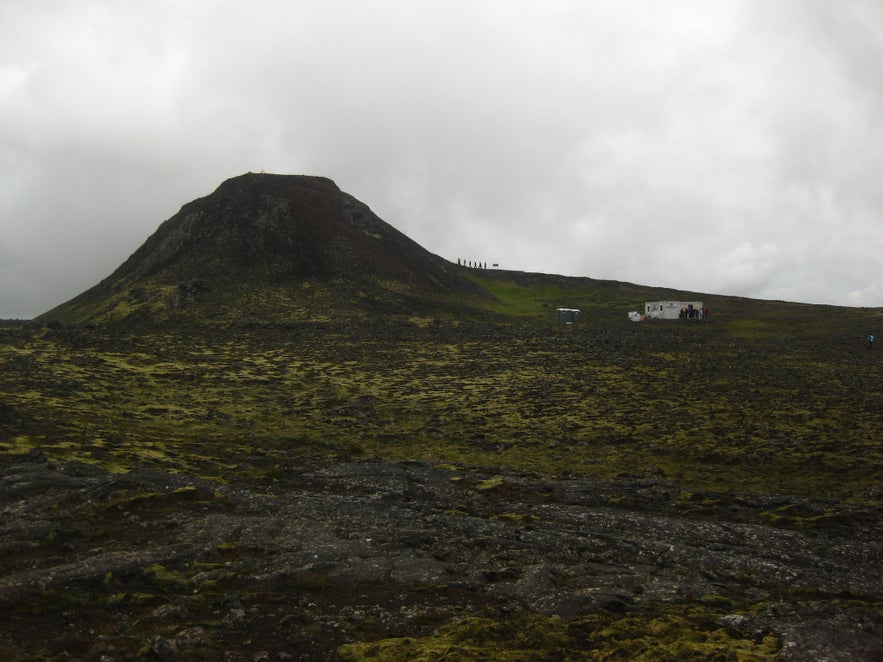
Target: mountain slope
x=266 y=248
x=272 y=247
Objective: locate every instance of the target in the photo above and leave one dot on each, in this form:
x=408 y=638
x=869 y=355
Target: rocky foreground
x=371 y=559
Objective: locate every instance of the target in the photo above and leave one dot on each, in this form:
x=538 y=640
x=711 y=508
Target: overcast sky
x=726 y=146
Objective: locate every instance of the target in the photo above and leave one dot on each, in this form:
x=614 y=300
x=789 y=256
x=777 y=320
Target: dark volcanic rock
x=162 y=562
x=263 y=232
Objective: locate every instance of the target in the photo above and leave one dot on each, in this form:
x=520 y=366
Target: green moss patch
x=686 y=633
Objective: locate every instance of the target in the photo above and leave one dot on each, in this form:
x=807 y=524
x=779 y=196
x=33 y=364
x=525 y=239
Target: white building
x=671 y=310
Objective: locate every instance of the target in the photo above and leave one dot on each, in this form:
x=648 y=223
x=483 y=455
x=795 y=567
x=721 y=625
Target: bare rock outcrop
x=156 y=563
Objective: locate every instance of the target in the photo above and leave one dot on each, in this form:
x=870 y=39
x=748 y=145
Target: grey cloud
x=732 y=147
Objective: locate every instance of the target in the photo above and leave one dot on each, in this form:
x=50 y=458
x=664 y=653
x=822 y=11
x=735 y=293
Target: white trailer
x=672 y=310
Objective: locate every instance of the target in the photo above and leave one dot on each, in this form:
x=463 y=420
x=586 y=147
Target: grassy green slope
x=535 y=296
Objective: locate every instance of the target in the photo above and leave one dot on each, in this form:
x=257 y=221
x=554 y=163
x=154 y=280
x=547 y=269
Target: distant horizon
x=14 y=318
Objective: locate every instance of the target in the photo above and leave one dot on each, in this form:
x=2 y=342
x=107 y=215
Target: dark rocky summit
x=262 y=241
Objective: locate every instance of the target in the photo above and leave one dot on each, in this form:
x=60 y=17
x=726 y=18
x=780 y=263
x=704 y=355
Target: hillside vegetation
x=768 y=396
